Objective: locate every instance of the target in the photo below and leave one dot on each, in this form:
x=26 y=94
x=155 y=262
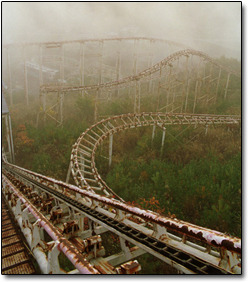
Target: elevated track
x=187 y=247
x=16 y=258
x=61 y=221
x=82 y=163
x=156 y=241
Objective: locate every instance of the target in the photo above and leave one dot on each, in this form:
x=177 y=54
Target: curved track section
x=142 y=75
x=154 y=237
x=83 y=165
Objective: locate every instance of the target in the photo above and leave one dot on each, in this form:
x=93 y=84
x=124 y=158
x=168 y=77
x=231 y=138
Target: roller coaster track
x=15 y=256
x=144 y=74
x=187 y=247
x=155 y=237
x=83 y=166
x=42 y=204
x=192 y=84
x=58 y=43
x=184 y=85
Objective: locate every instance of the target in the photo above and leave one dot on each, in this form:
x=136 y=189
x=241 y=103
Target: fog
x=207 y=26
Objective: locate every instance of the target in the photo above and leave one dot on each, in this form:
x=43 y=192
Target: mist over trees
x=196 y=175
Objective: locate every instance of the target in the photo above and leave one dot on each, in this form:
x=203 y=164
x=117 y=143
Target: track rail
x=144 y=74
x=188 y=247
x=83 y=165
x=155 y=239
x=63 y=244
x=16 y=258
x=58 y=43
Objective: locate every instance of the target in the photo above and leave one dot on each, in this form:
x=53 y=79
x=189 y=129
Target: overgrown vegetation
x=196 y=177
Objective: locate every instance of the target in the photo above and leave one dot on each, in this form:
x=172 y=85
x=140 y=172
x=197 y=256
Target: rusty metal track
x=143 y=74
x=188 y=261
x=59 y=43
x=63 y=244
x=83 y=166
x=162 y=248
x=16 y=258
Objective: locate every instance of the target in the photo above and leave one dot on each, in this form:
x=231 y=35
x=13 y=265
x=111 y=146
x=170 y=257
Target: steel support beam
x=118 y=67
x=10 y=77
x=40 y=65
x=217 y=86
x=26 y=87
x=137 y=98
x=163 y=139
x=226 y=89
x=8 y=136
x=110 y=149
x=153 y=132
x=62 y=55
x=82 y=66
x=11 y=140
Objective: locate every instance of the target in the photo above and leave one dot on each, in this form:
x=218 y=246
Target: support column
x=101 y=60
x=217 y=87
x=206 y=130
x=8 y=137
x=81 y=223
x=125 y=248
x=118 y=67
x=96 y=105
x=163 y=139
x=40 y=66
x=68 y=173
x=185 y=86
x=10 y=78
x=197 y=85
x=135 y=58
x=82 y=65
x=228 y=77
x=208 y=84
x=134 y=70
x=25 y=78
x=196 y=92
x=11 y=140
x=137 y=98
x=168 y=89
x=153 y=132
x=62 y=63
x=187 y=92
x=110 y=149
x=158 y=89
x=61 y=98
x=53 y=265
x=150 y=64
x=44 y=104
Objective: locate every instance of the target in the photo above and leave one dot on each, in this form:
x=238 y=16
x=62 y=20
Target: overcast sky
x=213 y=22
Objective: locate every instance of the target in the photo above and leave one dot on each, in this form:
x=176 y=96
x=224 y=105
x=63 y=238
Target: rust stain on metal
x=63 y=244
x=206 y=235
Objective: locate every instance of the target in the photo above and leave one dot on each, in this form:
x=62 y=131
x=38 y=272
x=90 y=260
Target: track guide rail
x=163 y=249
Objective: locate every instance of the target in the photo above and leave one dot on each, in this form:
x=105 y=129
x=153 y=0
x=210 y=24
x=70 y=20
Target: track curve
x=144 y=74
x=82 y=162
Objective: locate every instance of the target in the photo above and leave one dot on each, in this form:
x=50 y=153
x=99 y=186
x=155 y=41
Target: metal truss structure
x=62 y=208
x=82 y=163
x=60 y=219
x=77 y=59
x=7 y=147
x=44 y=205
x=181 y=79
